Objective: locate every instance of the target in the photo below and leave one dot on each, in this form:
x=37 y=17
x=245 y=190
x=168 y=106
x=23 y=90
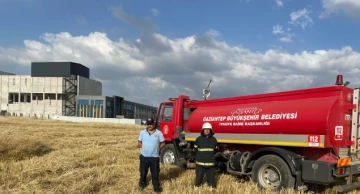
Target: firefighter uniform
x=206 y=147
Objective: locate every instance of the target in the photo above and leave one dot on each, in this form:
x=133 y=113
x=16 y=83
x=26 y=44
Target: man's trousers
x=154 y=164
x=204 y=170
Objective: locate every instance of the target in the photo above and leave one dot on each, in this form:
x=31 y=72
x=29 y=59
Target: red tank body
x=299 y=115
x=307 y=136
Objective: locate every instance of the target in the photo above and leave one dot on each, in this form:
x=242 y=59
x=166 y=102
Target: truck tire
x=272 y=171
x=168 y=155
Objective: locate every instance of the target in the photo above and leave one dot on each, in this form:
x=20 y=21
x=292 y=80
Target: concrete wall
x=97 y=120
x=89 y=87
x=23 y=91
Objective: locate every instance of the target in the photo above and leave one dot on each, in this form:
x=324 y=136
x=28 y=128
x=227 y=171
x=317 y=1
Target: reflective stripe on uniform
x=195 y=146
x=205 y=164
x=205 y=149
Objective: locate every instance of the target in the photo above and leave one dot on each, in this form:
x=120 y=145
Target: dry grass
x=43 y=156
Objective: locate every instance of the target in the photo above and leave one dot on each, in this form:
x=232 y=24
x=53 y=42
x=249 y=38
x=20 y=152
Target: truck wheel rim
x=169 y=157
x=269 y=176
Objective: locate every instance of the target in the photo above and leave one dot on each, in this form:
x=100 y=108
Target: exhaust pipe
x=346 y=188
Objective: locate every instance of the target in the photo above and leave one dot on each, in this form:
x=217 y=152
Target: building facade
x=51 y=89
x=112 y=107
x=63 y=88
x=98 y=106
x=140 y=111
x=129 y=109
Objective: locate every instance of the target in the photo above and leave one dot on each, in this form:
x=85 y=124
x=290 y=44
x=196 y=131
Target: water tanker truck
x=282 y=139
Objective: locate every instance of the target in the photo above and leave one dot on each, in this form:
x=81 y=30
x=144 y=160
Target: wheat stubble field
x=44 y=156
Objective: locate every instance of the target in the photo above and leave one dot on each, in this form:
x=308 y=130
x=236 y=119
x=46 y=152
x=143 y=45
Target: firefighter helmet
x=207 y=126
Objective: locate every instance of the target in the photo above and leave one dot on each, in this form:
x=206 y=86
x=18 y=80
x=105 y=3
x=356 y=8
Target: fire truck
x=282 y=140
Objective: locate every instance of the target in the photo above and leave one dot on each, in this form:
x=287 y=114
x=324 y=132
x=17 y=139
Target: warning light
x=339 y=80
x=172 y=99
x=341 y=171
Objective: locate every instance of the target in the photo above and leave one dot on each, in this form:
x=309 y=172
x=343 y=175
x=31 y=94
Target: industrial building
x=136 y=110
x=51 y=89
x=112 y=107
x=63 y=88
x=99 y=106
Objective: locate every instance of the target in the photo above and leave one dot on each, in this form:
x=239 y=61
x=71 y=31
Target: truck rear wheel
x=168 y=155
x=273 y=172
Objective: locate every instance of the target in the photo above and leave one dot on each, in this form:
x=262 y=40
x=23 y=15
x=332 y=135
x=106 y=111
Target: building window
x=128 y=107
x=25 y=97
x=99 y=102
x=25 y=81
x=13 y=81
x=37 y=97
x=83 y=102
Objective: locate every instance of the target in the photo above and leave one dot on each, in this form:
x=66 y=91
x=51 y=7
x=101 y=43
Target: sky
x=149 y=51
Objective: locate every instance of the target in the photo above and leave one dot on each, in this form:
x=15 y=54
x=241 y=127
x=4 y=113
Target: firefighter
x=150 y=141
x=206 y=147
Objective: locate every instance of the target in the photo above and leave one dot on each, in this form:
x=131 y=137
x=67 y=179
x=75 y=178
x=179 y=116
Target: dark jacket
x=206 y=147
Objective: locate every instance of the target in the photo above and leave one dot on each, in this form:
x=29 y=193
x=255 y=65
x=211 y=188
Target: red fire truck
x=282 y=140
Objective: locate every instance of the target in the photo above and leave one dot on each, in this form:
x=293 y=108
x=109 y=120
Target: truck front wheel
x=272 y=172
x=168 y=155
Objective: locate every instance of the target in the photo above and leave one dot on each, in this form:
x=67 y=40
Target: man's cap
x=150 y=121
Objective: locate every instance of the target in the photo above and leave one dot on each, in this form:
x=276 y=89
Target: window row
x=29 y=97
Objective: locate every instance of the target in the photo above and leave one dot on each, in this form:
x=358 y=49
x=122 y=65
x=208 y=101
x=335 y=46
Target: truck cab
x=170 y=119
x=164 y=119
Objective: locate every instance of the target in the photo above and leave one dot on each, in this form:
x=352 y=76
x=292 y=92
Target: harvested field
x=44 y=156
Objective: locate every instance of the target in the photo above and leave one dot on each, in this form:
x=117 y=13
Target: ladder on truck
x=355 y=128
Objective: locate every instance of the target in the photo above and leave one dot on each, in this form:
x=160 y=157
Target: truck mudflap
x=325 y=173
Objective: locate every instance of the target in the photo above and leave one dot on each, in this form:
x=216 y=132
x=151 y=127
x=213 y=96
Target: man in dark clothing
x=151 y=141
x=206 y=147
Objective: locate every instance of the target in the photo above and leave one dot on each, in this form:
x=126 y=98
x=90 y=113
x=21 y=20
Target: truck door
x=166 y=120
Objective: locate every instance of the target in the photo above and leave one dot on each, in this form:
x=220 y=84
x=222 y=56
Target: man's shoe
x=212 y=186
x=158 y=190
x=197 y=187
x=142 y=186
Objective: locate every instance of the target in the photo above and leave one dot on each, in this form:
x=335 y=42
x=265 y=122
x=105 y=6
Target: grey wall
x=89 y=87
x=58 y=69
x=90 y=97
